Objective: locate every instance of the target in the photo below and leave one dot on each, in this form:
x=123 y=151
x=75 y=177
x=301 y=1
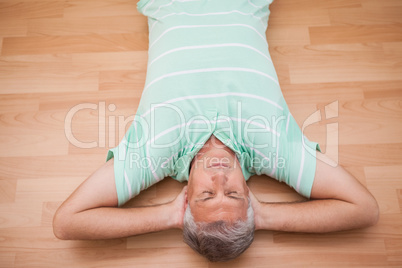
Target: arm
x=338 y=202
x=91 y=212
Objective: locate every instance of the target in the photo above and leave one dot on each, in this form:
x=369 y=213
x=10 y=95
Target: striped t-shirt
x=210 y=73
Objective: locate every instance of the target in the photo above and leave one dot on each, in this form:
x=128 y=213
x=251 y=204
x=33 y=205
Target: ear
x=185 y=197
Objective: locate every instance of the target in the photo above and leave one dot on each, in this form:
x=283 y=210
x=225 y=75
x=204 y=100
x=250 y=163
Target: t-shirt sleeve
x=289 y=158
x=296 y=159
x=132 y=170
x=299 y=156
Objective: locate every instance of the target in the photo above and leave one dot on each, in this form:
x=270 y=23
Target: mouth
x=218 y=165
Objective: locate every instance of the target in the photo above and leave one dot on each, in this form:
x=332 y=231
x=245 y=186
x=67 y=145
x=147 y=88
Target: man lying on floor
x=212 y=113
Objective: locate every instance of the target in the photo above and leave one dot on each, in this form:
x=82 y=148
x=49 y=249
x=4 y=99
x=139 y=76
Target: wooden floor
x=72 y=73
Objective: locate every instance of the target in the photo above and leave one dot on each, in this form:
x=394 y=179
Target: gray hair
x=219 y=240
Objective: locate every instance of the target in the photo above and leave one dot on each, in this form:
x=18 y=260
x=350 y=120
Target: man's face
x=217 y=189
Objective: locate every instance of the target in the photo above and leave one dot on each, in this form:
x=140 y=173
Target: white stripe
x=301 y=168
x=255 y=124
x=206 y=70
x=167 y=131
x=209 y=46
x=136 y=134
x=157 y=137
x=206 y=26
x=174 y=155
x=171 y=2
x=258 y=152
x=276 y=160
x=147 y=5
x=130 y=194
x=151 y=167
x=123 y=146
x=168 y=4
x=212 y=96
x=209 y=14
x=287 y=123
x=249 y=1
x=163 y=133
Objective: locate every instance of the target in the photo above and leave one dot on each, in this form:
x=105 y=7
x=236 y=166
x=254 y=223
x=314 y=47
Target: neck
x=211 y=143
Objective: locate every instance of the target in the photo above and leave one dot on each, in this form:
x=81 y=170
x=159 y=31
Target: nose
x=219 y=177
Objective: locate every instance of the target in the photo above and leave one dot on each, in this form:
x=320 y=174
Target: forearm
x=316 y=216
x=110 y=222
x=339 y=202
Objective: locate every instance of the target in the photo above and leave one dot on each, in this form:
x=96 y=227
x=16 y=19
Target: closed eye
x=233 y=195
x=207 y=198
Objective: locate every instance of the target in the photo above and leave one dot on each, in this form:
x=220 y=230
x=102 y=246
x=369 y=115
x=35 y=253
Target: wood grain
x=57 y=55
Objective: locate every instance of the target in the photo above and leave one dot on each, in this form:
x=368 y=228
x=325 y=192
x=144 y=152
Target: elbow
x=371 y=212
x=375 y=214
x=60 y=225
